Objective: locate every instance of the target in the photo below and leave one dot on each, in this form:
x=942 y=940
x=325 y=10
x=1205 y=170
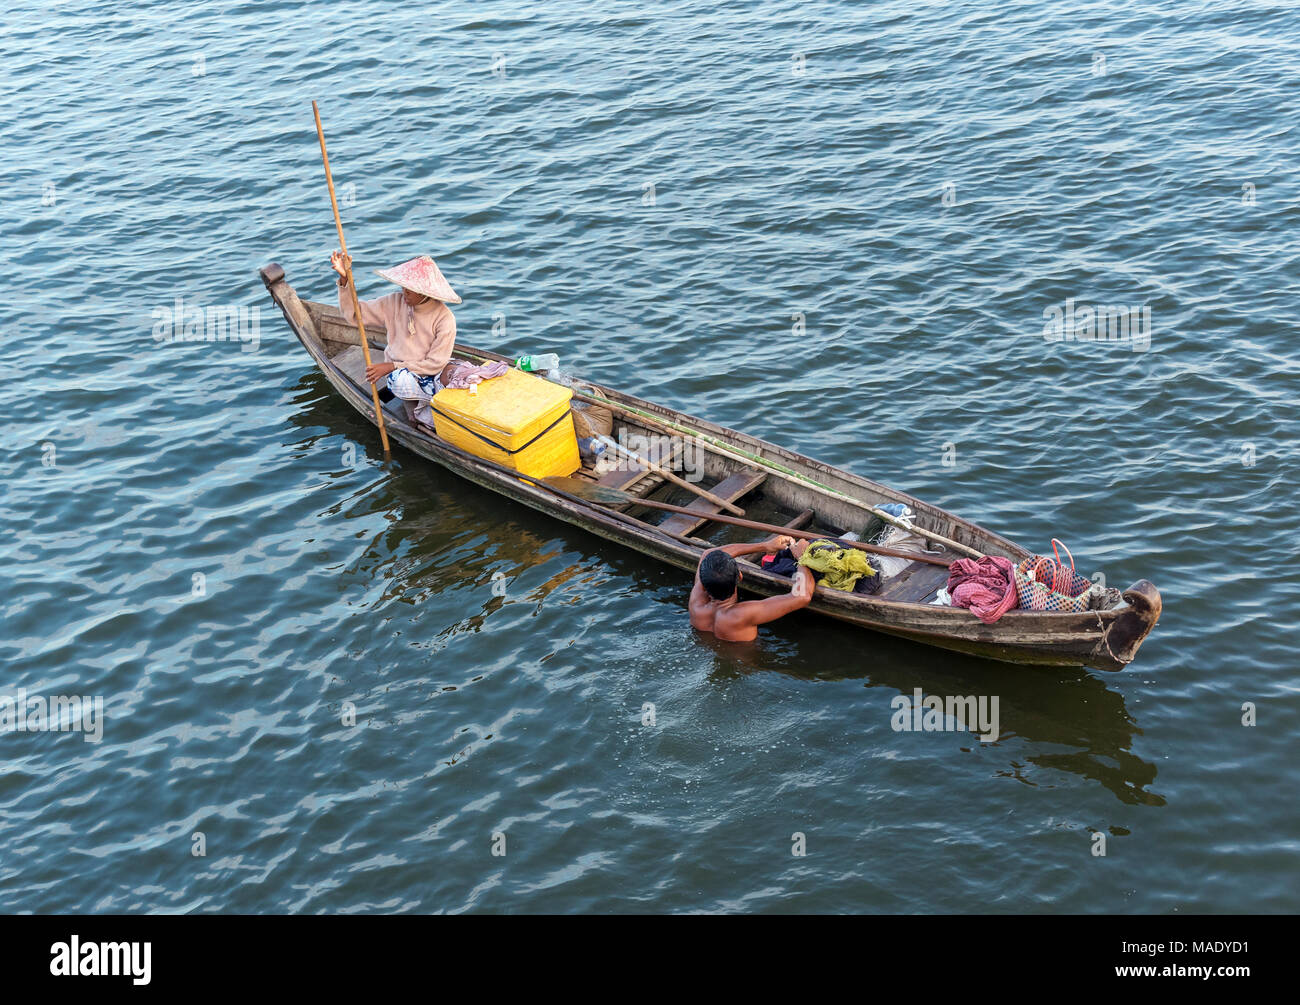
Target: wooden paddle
x=347 y=264
x=675 y=479
x=605 y=496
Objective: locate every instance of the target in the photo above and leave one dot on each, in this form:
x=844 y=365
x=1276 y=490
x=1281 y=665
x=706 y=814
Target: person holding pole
x=421 y=328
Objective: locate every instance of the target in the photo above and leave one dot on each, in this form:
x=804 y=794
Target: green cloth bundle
x=841 y=568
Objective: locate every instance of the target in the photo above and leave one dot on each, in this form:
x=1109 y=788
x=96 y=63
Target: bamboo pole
x=352 y=286
x=807 y=535
x=781 y=471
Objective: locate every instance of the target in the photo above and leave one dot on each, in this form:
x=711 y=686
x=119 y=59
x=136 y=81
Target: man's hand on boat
x=715 y=605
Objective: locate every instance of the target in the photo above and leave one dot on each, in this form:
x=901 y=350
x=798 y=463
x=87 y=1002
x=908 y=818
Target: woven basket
x=1046 y=585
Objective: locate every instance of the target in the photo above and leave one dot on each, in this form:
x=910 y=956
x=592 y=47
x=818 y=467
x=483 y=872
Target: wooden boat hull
x=1105 y=640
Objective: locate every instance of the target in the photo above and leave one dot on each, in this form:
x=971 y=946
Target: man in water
x=715 y=604
x=421 y=329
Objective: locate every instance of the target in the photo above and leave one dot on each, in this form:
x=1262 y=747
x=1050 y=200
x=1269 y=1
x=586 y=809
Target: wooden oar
x=356 y=304
x=606 y=496
x=675 y=479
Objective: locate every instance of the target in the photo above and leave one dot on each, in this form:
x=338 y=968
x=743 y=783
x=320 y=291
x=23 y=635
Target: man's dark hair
x=719 y=575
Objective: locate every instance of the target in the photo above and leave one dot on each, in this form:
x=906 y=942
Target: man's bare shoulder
x=702 y=617
x=737 y=623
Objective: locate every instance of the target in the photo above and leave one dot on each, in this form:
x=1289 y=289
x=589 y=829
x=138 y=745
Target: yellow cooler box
x=518 y=419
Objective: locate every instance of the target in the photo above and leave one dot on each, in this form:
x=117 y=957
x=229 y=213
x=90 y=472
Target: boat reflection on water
x=1051 y=708
x=443 y=533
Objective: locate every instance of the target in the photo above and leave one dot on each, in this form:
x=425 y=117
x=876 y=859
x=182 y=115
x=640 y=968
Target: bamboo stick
x=807 y=535
x=780 y=470
x=347 y=264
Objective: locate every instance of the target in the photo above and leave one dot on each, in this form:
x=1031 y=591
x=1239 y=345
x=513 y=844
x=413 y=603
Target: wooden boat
x=1104 y=639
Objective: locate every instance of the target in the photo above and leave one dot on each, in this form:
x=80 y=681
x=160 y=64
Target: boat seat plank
x=628 y=476
x=622 y=476
x=333 y=328
x=353 y=364
x=916 y=584
x=730 y=489
x=800 y=520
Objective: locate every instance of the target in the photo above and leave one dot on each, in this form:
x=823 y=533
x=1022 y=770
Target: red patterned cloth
x=985 y=585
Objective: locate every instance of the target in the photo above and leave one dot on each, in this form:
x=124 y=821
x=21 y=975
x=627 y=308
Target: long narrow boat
x=834 y=503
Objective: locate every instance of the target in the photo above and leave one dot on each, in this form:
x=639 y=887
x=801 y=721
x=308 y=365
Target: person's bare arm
x=699 y=595
x=771 y=545
x=760 y=612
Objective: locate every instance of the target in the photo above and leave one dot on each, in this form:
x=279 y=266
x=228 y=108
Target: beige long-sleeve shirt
x=419 y=338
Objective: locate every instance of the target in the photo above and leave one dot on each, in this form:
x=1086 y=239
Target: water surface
x=837 y=226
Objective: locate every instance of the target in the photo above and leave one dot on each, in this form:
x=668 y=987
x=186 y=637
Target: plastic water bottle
x=546 y=361
x=591 y=449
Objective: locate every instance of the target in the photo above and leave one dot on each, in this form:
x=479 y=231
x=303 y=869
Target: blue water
x=838 y=226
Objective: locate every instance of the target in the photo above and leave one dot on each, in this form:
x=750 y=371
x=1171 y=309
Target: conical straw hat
x=421 y=275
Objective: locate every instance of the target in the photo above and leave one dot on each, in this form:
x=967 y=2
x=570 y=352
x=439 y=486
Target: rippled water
x=834 y=225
